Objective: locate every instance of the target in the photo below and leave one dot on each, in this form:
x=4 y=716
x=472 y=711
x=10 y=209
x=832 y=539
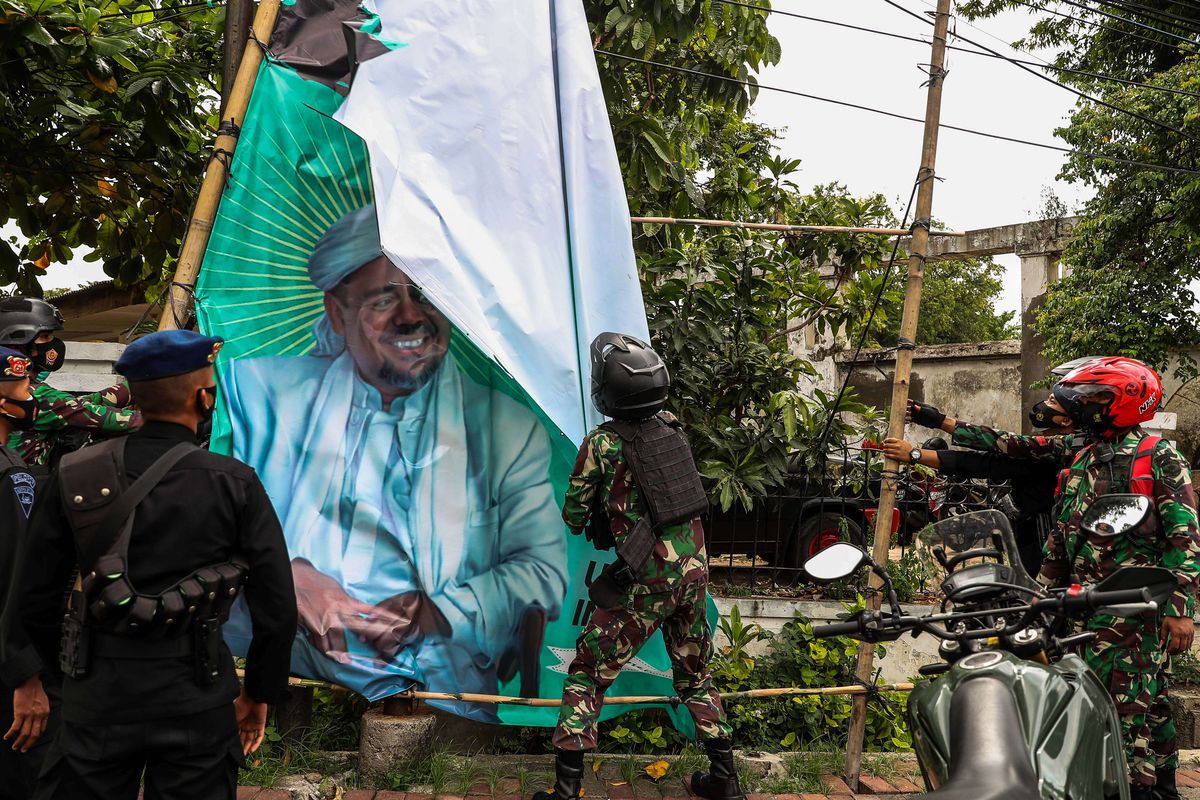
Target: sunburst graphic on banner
x=297 y=172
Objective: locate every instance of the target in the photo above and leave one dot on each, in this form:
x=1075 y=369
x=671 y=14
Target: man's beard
x=409 y=381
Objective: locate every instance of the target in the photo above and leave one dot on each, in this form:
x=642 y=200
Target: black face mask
x=206 y=411
x=28 y=409
x=48 y=356
x=1042 y=416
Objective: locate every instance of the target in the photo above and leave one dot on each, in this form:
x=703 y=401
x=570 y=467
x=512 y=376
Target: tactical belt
x=108 y=645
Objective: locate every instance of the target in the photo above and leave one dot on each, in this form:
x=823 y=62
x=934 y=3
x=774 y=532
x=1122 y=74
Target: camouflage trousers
x=612 y=636
x=1136 y=678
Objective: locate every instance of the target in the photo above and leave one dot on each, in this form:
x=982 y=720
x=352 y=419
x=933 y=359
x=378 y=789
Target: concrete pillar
x=390 y=743
x=1038 y=271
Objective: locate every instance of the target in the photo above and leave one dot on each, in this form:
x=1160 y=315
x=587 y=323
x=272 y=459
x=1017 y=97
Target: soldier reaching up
x=635 y=487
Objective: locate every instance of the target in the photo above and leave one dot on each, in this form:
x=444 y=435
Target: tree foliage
x=104 y=124
x=1135 y=255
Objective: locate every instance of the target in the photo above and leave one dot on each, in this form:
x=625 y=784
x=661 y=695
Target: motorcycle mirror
x=1114 y=514
x=1161 y=582
x=835 y=562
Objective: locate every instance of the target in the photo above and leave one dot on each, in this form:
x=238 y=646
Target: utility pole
x=177 y=311
x=904 y=357
x=239 y=14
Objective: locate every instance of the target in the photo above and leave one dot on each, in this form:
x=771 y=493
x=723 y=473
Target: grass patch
x=802 y=774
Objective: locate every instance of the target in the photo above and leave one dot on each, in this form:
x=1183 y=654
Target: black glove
x=925 y=415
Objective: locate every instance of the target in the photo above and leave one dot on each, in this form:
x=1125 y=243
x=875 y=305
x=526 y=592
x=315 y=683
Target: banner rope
x=782 y=228
x=633 y=700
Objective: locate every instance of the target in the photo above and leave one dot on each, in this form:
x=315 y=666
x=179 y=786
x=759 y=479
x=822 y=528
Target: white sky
x=987 y=182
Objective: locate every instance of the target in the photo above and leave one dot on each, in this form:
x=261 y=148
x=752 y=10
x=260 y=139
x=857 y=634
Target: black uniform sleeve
x=966 y=464
x=42 y=567
x=270 y=597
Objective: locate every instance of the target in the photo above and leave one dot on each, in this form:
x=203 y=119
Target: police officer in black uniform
x=164 y=536
x=21 y=754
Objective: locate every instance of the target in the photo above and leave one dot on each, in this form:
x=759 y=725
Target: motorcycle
x=1011 y=711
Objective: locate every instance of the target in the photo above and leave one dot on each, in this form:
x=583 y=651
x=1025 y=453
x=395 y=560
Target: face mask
x=21 y=414
x=1042 y=416
x=206 y=411
x=48 y=356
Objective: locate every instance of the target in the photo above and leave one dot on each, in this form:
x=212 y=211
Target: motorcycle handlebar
x=1094 y=598
x=851 y=628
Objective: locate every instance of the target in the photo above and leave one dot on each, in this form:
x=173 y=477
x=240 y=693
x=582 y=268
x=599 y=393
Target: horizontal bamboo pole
x=635 y=700
x=770 y=226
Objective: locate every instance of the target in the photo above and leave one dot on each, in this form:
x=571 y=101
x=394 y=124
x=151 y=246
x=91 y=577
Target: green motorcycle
x=1013 y=712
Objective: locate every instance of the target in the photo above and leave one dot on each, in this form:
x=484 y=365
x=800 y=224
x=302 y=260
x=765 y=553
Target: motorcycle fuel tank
x=1069 y=725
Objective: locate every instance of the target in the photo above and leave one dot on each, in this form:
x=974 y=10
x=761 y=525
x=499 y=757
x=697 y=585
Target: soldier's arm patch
x=24 y=486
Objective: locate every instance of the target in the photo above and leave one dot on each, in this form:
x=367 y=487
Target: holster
x=207 y=633
x=75 y=653
x=610 y=586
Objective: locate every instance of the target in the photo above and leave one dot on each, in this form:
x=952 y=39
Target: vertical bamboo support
x=195 y=239
x=904 y=357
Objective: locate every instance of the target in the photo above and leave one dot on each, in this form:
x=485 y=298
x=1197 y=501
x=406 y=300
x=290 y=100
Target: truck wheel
x=813 y=534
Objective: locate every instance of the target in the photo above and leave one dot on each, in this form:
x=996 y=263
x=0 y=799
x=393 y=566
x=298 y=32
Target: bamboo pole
x=904 y=357
x=633 y=700
x=770 y=226
x=195 y=239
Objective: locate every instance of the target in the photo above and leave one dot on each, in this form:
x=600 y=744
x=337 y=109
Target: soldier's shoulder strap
x=1141 y=479
x=98 y=503
x=626 y=429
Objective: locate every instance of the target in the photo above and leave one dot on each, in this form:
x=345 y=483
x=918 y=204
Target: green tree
x=958 y=304
x=1134 y=258
x=106 y=109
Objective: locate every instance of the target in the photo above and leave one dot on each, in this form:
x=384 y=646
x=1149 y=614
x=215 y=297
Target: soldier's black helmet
x=23 y=319
x=629 y=379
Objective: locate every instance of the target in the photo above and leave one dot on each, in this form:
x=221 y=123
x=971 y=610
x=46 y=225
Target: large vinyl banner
x=424 y=228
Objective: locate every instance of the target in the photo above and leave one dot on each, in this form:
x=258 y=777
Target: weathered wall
x=88 y=368
x=977 y=382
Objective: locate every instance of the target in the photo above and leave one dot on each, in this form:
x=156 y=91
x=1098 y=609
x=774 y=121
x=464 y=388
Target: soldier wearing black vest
x=35 y=695
x=164 y=536
x=635 y=489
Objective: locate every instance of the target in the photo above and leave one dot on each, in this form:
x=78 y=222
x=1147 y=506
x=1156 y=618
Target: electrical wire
x=1060 y=84
x=894 y=115
x=892 y=35
x=862 y=337
x=1126 y=20
x=1165 y=17
x=1098 y=25
x=130 y=13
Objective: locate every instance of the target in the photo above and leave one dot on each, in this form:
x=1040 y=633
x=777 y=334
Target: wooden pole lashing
x=904 y=357
x=195 y=239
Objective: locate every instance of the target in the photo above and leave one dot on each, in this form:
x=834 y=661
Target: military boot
x=568 y=776
x=1140 y=791
x=1164 y=786
x=721 y=782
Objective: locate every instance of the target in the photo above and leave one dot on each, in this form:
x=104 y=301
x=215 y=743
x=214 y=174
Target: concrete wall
x=88 y=368
x=977 y=382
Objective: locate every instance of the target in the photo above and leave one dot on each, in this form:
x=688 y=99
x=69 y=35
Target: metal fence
x=764 y=548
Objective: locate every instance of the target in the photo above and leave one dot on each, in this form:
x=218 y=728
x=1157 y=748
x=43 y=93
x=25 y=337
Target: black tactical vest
x=661 y=460
x=91 y=481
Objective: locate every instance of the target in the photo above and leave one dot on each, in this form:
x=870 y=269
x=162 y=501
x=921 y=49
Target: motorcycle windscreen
x=969 y=536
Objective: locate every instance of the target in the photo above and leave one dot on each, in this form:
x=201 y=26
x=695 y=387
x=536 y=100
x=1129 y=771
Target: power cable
x=894 y=115
x=1047 y=78
x=862 y=337
x=892 y=35
x=1135 y=23
x=1166 y=17
x=129 y=13
x=1098 y=25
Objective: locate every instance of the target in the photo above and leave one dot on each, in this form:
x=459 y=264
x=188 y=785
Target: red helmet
x=1136 y=392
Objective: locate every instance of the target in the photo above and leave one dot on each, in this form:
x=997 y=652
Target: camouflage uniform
x=107 y=411
x=669 y=593
x=1126 y=654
